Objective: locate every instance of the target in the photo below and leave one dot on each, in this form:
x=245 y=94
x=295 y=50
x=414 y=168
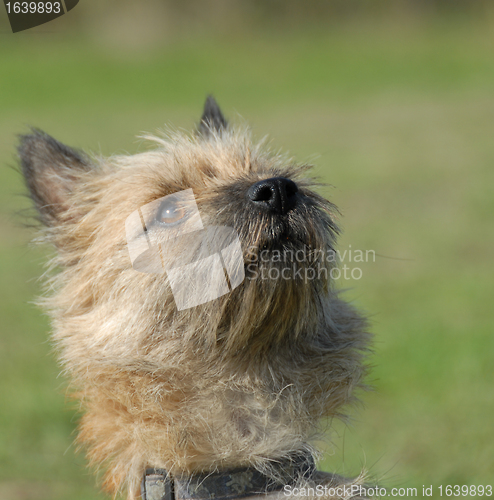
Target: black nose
x=278 y=195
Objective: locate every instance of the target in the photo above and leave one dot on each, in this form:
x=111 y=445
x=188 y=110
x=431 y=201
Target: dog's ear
x=51 y=170
x=212 y=118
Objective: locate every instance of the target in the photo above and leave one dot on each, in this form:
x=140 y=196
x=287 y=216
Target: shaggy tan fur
x=242 y=380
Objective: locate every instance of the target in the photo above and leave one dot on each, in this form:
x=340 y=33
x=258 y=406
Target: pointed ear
x=50 y=170
x=212 y=118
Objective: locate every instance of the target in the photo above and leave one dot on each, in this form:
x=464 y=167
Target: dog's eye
x=170 y=212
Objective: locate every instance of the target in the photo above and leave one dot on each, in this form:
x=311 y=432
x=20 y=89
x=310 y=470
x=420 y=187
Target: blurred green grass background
x=397 y=113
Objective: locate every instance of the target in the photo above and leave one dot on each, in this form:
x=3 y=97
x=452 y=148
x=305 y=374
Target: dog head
x=193 y=305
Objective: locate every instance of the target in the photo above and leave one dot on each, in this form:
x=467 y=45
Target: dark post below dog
x=194 y=312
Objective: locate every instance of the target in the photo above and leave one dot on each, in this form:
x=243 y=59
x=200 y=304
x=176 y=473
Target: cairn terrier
x=194 y=311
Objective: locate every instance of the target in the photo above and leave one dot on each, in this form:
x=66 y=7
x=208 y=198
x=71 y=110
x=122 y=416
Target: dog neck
x=158 y=484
